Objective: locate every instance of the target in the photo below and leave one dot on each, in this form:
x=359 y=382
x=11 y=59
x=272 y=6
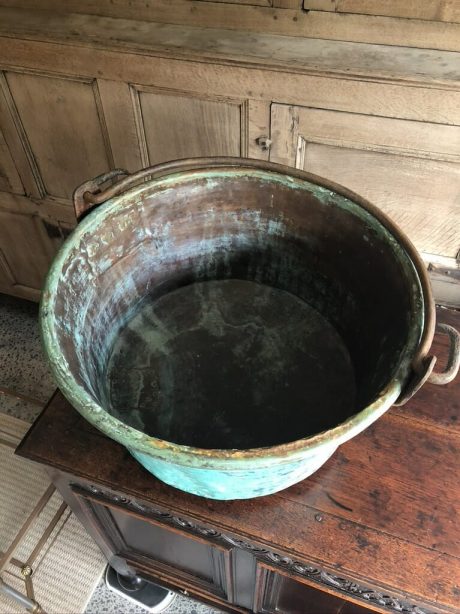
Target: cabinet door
x=277 y=593
x=409 y=169
x=29 y=238
x=61 y=128
x=173 y=125
x=151 y=547
x=57 y=132
x=54 y=131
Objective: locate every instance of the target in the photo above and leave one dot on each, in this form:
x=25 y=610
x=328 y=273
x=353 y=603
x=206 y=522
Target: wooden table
x=376 y=528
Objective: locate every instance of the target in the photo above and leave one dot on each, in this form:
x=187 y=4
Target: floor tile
x=104 y=601
x=23 y=367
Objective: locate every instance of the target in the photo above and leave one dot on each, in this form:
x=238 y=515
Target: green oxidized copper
x=216 y=473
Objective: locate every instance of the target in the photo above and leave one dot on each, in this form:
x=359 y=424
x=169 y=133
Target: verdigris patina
x=232 y=322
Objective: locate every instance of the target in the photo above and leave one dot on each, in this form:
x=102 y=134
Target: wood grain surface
x=199 y=41
x=429 y=27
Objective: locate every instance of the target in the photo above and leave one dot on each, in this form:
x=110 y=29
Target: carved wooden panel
x=62 y=129
x=277 y=593
x=409 y=169
x=29 y=240
x=153 y=546
x=255 y=587
x=174 y=125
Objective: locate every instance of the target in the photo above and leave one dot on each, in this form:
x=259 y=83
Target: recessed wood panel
x=168 y=547
x=120 y=120
x=16 y=143
x=157 y=547
x=9 y=178
x=24 y=266
x=436 y=10
x=29 y=240
x=64 y=129
x=24 y=258
x=408 y=169
x=183 y=127
x=277 y=593
x=420 y=195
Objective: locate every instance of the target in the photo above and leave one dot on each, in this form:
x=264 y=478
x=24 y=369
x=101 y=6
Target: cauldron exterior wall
x=243 y=483
x=77 y=332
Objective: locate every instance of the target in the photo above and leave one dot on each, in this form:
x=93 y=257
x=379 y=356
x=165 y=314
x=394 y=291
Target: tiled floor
x=25 y=385
x=107 y=602
x=25 y=381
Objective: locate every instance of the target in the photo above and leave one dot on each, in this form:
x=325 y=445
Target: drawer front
x=279 y=593
x=408 y=169
x=152 y=547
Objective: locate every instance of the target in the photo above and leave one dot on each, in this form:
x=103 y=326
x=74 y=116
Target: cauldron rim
x=146 y=444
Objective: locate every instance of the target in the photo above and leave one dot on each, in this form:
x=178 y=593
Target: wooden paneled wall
x=80 y=95
x=429 y=24
x=62 y=130
x=429 y=10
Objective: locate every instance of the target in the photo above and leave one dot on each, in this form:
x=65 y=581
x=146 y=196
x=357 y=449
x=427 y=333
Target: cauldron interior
x=309 y=258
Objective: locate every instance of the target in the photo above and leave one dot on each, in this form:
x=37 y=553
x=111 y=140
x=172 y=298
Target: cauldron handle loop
x=87 y=195
x=453 y=361
x=92 y=193
x=424 y=371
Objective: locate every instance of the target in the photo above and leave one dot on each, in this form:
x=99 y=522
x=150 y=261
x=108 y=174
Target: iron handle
x=453 y=361
x=90 y=193
x=424 y=368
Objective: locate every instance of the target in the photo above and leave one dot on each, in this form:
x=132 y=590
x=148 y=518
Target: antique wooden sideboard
x=375 y=529
x=363 y=92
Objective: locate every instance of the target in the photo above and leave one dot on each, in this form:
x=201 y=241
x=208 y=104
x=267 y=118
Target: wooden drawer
x=279 y=593
x=407 y=168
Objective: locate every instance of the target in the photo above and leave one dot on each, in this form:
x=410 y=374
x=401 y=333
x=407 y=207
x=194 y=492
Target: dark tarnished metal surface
x=230 y=364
